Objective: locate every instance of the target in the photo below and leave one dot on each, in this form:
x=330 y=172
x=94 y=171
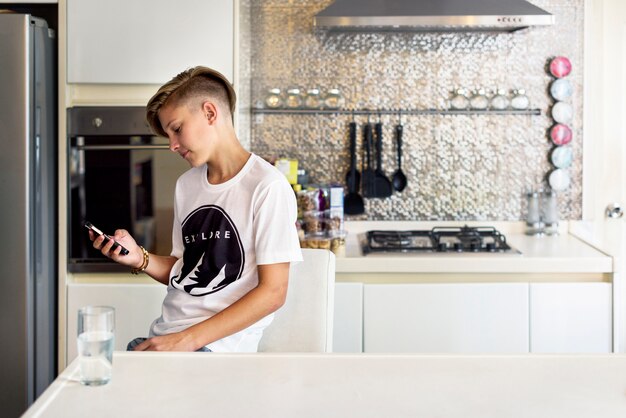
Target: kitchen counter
x=336 y=385
x=558 y=254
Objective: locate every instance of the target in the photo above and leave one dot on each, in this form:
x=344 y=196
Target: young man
x=234 y=231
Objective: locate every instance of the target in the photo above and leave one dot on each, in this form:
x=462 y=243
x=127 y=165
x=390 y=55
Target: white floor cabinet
x=348 y=321
x=446 y=318
x=570 y=317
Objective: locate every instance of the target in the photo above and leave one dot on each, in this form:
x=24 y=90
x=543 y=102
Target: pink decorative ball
x=560 y=67
x=561 y=134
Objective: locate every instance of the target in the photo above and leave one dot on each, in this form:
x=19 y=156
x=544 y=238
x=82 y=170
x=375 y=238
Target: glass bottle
x=273 y=98
x=459 y=100
x=499 y=101
x=333 y=99
x=520 y=100
x=479 y=100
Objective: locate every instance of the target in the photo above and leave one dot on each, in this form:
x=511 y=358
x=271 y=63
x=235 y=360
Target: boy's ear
x=210 y=111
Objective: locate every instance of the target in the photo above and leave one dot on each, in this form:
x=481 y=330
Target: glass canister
x=459 y=100
x=333 y=99
x=294 y=98
x=479 y=100
x=273 y=98
x=500 y=101
x=520 y=100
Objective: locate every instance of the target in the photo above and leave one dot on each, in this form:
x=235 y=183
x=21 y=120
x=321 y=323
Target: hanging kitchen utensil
x=399 y=179
x=353 y=176
x=382 y=184
x=353 y=202
x=368 y=178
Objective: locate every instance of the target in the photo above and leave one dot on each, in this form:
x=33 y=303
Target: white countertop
x=561 y=253
x=337 y=385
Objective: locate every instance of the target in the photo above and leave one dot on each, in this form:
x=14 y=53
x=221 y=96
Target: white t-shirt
x=221 y=233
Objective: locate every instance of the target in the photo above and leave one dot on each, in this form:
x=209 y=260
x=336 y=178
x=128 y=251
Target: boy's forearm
x=159 y=267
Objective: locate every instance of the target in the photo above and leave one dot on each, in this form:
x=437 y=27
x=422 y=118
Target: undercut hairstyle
x=191 y=88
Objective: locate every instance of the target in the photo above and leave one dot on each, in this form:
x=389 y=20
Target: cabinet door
x=136 y=306
x=570 y=318
x=147 y=41
x=446 y=318
x=348 y=318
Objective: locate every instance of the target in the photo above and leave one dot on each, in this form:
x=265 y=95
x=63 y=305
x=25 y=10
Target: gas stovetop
x=449 y=240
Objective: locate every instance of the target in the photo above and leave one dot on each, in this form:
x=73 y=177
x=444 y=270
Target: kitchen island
x=336 y=385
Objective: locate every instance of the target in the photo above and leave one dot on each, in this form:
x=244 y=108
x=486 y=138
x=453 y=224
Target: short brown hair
x=190 y=84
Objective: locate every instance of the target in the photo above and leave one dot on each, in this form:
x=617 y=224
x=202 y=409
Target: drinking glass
x=96 y=327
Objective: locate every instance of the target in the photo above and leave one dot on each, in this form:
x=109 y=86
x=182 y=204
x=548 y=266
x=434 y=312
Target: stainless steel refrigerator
x=28 y=211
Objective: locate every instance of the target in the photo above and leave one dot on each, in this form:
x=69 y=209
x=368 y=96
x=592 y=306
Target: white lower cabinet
x=571 y=317
x=136 y=306
x=446 y=318
x=348 y=318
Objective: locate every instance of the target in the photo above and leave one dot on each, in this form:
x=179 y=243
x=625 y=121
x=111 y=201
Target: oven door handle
x=118 y=147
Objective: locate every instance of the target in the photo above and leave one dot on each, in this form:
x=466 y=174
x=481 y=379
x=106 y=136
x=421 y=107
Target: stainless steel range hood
x=431 y=15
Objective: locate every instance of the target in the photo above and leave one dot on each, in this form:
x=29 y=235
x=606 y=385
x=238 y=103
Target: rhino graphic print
x=213 y=256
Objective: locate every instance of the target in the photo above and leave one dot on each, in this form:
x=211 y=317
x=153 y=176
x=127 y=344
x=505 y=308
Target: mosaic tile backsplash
x=459 y=167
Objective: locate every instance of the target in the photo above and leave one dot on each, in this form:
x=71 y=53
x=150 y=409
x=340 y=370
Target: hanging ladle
x=399 y=179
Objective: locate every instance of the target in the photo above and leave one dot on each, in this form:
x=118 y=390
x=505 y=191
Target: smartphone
x=116 y=244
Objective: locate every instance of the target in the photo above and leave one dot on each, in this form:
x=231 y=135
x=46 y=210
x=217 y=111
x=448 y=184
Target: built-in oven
x=120 y=176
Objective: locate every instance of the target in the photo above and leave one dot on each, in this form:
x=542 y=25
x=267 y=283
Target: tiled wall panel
x=459 y=167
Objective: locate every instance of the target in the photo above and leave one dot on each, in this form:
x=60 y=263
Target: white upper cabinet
x=147 y=41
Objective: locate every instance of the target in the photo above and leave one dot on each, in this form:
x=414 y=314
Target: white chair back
x=305 y=322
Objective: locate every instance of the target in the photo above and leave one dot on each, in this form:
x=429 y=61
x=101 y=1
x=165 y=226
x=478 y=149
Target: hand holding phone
x=96 y=231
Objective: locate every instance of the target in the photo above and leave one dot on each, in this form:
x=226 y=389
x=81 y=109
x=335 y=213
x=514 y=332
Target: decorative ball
x=560 y=67
x=562 y=157
x=561 y=134
x=559 y=180
x=561 y=89
x=562 y=112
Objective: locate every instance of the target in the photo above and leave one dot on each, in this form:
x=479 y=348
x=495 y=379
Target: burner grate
x=438 y=239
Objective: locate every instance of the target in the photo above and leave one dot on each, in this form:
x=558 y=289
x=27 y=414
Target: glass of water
x=96 y=327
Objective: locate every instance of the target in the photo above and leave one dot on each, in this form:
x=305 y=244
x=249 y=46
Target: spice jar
x=273 y=98
x=338 y=244
x=561 y=89
x=562 y=112
x=459 y=100
x=499 y=101
x=550 y=212
x=313 y=99
x=333 y=99
x=314 y=222
x=520 y=100
x=479 y=100
x=294 y=98
x=534 y=225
